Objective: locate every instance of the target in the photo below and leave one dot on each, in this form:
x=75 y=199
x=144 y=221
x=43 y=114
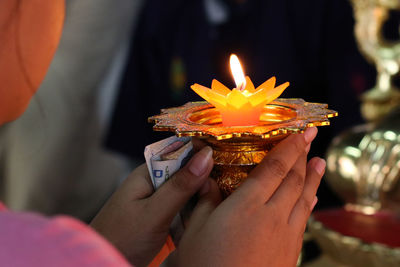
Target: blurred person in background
x=52 y=159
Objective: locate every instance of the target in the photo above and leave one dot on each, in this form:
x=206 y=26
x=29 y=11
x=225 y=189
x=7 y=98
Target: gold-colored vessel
x=363 y=166
x=370 y=16
x=363 y=163
x=238 y=149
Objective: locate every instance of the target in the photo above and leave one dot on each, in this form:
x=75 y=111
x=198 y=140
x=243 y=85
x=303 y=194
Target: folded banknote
x=167 y=156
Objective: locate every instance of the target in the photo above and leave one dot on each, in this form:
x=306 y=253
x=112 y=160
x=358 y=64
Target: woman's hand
x=136 y=219
x=263 y=221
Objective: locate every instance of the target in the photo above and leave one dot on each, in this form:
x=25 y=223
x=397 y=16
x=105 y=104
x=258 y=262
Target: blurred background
x=121 y=61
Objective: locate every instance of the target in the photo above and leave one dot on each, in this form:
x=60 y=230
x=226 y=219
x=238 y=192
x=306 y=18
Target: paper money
x=167 y=156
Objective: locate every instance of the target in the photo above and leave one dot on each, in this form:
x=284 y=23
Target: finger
x=198 y=144
x=290 y=190
x=170 y=198
x=138 y=184
x=268 y=175
x=304 y=205
x=209 y=198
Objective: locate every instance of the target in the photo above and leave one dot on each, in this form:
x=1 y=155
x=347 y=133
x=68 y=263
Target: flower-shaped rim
x=178 y=120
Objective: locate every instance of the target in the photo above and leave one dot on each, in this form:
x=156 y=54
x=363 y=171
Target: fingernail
x=314 y=202
x=320 y=166
x=205 y=188
x=310 y=134
x=198 y=164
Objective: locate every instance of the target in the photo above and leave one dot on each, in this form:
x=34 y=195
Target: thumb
x=167 y=201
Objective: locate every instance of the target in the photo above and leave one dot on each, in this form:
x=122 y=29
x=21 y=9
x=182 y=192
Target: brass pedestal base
x=235 y=158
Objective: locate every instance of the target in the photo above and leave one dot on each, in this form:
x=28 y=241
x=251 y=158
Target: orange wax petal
x=266 y=96
x=216 y=98
x=277 y=91
x=219 y=88
x=249 y=85
x=236 y=99
x=269 y=84
x=258 y=97
x=201 y=90
x=210 y=96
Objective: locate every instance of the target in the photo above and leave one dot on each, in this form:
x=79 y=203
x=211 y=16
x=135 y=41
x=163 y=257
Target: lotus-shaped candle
x=243 y=105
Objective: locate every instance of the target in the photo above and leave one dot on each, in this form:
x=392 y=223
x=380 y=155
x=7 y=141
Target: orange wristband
x=167 y=249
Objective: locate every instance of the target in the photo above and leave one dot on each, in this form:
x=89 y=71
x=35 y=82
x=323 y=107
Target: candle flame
x=237 y=72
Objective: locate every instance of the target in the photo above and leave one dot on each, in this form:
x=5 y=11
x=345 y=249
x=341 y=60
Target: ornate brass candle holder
x=238 y=149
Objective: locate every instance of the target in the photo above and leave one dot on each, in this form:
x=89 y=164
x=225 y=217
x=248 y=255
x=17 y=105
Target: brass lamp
x=238 y=149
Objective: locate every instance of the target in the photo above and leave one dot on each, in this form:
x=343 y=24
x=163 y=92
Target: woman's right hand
x=263 y=221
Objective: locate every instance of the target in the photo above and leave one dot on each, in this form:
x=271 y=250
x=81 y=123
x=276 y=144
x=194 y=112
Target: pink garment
x=28 y=239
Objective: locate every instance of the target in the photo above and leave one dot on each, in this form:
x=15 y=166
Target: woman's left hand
x=136 y=219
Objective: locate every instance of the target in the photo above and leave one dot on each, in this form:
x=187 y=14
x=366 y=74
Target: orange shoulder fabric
x=29 y=32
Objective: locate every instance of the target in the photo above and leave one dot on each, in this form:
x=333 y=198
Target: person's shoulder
x=35 y=240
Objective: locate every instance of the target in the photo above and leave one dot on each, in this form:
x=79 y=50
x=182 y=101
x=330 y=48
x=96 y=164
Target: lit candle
x=243 y=105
